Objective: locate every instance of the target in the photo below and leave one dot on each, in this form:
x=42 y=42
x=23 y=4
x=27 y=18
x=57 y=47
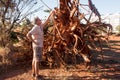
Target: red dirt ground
x=107 y=69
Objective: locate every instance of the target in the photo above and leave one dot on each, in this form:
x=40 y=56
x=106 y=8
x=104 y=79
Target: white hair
x=35 y=19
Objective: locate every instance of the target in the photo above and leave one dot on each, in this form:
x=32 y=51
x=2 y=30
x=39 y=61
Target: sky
x=103 y=6
x=107 y=6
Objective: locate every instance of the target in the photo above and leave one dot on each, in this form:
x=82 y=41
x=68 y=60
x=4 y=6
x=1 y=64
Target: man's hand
x=35 y=42
x=29 y=36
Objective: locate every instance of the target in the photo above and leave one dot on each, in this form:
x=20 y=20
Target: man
x=35 y=35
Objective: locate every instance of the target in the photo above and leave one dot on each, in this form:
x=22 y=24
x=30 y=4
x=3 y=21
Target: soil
x=106 y=69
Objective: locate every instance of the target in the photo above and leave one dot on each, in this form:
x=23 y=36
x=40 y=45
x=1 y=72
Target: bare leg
x=36 y=68
x=33 y=67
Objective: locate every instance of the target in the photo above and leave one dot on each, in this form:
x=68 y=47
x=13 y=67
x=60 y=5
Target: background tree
x=12 y=12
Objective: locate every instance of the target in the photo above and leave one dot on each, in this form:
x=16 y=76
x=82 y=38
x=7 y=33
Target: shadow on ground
x=108 y=68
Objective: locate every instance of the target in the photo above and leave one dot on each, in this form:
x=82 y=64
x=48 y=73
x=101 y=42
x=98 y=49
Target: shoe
x=33 y=75
x=36 y=77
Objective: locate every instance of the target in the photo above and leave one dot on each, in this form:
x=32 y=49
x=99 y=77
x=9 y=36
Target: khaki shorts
x=37 y=53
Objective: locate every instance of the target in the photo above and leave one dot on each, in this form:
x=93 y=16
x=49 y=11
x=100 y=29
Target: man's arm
x=29 y=36
x=47 y=20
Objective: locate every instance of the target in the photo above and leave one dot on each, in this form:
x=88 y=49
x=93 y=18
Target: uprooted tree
x=73 y=33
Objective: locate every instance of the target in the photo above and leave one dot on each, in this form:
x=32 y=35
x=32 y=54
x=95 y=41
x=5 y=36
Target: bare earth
x=107 y=69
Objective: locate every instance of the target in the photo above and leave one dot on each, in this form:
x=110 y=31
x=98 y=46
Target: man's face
x=38 y=22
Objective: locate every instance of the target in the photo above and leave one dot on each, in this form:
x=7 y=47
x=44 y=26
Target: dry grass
x=2 y=51
x=9 y=58
x=108 y=69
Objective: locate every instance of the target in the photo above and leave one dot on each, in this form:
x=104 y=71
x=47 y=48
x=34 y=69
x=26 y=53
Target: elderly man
x=35 y=35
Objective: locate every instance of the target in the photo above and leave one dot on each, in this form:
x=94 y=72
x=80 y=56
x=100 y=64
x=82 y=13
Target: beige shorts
x=37 y=53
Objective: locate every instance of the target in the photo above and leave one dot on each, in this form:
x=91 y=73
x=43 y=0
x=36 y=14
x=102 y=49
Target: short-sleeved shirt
x=37 y=35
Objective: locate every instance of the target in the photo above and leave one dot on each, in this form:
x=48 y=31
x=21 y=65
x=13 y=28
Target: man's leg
x=37 y=61
x=36 y=67
x=33 y=68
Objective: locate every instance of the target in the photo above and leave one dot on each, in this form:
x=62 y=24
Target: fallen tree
x=74 y=33
x=71 y=34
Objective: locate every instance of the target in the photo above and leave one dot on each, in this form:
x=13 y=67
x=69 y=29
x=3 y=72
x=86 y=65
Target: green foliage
x=13 y=36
